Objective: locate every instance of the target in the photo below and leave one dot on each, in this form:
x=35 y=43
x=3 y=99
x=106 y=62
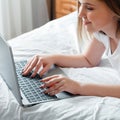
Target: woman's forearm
x=100 y=90
x=71 y=61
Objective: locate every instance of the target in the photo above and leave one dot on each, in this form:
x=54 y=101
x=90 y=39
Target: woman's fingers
x=49 y=78
x=26 y=66
x=40 y=65
x=30 y=65
x=54 y=89
x=37 y=68
x=49 y=81
x=44 y=69
x=54 y=84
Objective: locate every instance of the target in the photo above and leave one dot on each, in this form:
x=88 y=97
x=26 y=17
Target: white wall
x=39 y=12
x=20 y=16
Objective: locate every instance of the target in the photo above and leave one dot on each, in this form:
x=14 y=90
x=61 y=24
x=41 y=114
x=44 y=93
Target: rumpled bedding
x=59 y=36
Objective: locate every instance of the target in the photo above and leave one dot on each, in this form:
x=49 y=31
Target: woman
x=101 y=18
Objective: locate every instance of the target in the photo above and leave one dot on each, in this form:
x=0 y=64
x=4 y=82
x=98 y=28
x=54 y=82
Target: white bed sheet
x=59 y=37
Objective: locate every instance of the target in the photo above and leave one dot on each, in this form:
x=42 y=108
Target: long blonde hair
x=83 y=35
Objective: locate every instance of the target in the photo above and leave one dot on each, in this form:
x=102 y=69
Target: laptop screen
x=7 y=69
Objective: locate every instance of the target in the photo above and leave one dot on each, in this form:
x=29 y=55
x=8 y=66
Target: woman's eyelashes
x=89 y=8
x=84 y=6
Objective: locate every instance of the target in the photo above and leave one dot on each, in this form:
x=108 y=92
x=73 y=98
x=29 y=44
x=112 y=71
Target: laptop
x=20 y=85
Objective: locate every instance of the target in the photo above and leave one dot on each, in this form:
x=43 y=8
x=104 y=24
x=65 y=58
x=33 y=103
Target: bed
x=59 y=36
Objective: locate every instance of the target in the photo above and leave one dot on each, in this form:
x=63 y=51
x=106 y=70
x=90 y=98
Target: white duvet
x=59 y=36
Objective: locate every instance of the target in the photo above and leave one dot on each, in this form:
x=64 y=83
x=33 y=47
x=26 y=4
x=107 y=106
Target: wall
x=40 y=12
x=20 y=16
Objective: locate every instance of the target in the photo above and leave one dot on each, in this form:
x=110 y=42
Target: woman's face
x=96 y=16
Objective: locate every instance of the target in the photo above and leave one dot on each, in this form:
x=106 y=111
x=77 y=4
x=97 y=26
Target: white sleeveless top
x=112 y=59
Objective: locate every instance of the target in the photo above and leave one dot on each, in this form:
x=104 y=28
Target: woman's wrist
x=55 y=59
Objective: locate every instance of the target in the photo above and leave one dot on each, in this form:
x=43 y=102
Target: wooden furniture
x=64 y=7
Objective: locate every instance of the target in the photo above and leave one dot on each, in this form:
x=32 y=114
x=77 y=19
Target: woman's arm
x=100 y=90
x=59 y=83
x=91 y=57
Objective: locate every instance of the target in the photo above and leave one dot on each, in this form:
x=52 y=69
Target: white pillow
x=57 y=36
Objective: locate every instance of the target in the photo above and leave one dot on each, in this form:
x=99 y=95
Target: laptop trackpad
x=63 y=95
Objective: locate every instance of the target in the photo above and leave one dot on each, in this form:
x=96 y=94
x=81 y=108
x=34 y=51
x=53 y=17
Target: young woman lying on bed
x=101 y=18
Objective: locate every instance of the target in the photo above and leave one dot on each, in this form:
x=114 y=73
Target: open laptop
x=19 y=85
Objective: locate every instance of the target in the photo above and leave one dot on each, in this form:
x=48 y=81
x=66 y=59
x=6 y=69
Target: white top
x=112 y=59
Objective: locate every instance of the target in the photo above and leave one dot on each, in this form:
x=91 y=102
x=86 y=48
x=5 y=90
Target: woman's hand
x=59 y=83
x=36 y=63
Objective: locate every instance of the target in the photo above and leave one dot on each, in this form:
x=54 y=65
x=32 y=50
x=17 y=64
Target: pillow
x=57 y=36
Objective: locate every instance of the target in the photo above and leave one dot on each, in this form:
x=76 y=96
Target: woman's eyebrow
x=88 y=4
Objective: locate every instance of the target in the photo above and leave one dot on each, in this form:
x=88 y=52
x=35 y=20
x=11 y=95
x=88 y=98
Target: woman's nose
x=81 y=13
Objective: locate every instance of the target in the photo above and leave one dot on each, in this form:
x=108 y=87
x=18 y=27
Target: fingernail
x=41 y=86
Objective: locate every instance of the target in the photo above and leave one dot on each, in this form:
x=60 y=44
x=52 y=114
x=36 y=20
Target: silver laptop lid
x=7 y=69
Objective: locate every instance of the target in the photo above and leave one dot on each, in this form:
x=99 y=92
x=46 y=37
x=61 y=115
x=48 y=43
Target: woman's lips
x=86 y=23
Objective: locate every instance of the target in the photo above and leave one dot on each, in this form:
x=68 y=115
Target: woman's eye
x=89 y=8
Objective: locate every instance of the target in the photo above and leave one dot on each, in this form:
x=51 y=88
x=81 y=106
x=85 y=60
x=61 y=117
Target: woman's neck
x=113 y=45
x=110 y=31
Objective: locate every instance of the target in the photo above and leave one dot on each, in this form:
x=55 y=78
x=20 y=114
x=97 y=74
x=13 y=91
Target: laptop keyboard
x=30 y=87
